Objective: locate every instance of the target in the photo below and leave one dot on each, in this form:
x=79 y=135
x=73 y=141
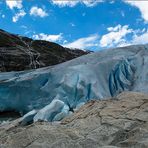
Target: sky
x=84 y=24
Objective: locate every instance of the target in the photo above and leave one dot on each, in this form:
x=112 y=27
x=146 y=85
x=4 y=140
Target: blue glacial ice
x=48 y=112
x=54 y=92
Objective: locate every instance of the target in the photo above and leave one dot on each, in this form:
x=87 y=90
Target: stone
x=117 y=123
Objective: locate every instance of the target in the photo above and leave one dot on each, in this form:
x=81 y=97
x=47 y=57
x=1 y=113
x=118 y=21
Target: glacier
x=51 y=93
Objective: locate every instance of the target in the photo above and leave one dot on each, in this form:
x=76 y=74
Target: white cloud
x=47 y=37
x=84 y=43
x=72 y=24
x=112 y=2
x=123 y=44
x=70 y=3
x=14 y=4
x=140 y=39
x=35 y=11
x=91 y=3
x=115 y=36
x=18 y=15
x=3 y=16
x=65 y=41
x=122 y=14
x=64 y=3
x=23 y=26
x=142 y=6
x=114 y=28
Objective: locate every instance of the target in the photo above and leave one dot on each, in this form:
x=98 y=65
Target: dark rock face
x=20 y=53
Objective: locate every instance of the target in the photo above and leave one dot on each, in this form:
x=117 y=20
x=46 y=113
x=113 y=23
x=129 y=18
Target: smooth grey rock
x=97 y=124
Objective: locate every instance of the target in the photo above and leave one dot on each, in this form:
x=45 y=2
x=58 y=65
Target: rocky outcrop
x=21 y=53
x=115 y=123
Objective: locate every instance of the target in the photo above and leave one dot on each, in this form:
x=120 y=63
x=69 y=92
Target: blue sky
x=81 y=24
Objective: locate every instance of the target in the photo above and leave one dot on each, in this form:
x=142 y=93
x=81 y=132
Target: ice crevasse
x=51 y=93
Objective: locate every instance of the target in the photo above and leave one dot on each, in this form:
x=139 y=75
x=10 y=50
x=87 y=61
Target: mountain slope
x=21 y=53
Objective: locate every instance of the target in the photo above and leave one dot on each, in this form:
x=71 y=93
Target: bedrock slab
x=121 y=122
